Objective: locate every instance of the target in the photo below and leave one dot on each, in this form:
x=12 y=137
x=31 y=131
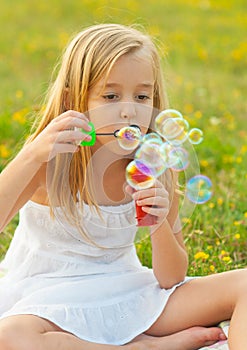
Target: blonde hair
x=89 y=57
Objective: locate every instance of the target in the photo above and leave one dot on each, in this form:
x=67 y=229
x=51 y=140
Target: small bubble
x=129 y=137
x=195 y=136
x=199 y=189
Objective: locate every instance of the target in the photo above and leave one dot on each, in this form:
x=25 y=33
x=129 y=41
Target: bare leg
x=237 y=331
x=207 y=301
x=28 y=332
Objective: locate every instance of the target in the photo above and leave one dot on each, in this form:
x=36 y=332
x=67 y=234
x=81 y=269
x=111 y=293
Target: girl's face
x=125 y=98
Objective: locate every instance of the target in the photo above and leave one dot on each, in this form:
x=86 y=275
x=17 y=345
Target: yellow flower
x=217 y=242
x=198 y=114
x=245 y=214
x=188 y=108
x=237 y=236
x=243 y=149
x=239 y=160
x=237 y=223
x=212 y=268
x=201 y=255
x=19 y=94
x=226 y=259
x=227 y=159
x=209 y=247
x=186 y=220
x=211 y=205
x=20 y=116
x=231 y=126
x=4 y=151
x=236 y=55
x=220 y=201
x=203 y=54
x=204 y=163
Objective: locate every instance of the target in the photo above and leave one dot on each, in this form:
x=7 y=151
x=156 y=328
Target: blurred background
x=203 y=45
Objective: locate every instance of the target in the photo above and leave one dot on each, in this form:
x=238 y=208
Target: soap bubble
x=195 y=136
x=182 y=158
x=175 y=130
x=150 y=155
x=199 y=189
x=169 y=157
x=152 y=138
x=164 y=115
x=129 y=137
x=139 y=175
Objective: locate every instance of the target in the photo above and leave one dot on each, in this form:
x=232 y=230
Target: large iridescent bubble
x=150 y=155
x=139 y=175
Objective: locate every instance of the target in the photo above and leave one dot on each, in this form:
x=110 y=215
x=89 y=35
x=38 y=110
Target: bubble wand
x=134 y=129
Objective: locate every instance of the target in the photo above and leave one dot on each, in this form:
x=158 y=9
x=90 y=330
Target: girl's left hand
x=153 y=200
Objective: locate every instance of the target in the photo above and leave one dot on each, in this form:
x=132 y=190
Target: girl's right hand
x=60 y=136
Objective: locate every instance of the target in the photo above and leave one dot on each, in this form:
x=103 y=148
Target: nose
x=128 y=111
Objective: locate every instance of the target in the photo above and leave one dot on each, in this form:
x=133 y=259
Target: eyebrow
x=144 y=84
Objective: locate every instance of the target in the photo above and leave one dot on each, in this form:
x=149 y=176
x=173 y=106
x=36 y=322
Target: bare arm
x=169 y=256
x=21 y=178
x=14 y=180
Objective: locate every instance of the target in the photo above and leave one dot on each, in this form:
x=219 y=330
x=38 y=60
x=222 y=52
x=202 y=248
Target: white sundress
x=101 y=295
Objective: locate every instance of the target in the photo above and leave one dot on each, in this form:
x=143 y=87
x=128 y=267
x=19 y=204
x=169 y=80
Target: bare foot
x=189 y=339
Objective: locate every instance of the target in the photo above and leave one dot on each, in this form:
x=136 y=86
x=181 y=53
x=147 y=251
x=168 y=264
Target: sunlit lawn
x=204 y=47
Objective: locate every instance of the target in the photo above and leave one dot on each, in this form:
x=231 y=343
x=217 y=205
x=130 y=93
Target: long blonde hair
x=89 y=56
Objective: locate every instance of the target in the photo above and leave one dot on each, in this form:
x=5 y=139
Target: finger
x=72 y=136
x=150 y=192
x=72 y=123
x=69 y=122
x=158 y=201
x=155 y=211
x=130 y=190
x=71 y=113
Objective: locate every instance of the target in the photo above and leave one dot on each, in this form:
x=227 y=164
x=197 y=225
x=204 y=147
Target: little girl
x=75 y=282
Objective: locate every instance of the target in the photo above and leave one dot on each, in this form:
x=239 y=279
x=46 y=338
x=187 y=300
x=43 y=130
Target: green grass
x=204 y=47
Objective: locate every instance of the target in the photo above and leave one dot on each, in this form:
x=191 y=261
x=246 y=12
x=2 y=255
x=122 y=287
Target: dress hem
x=79 y=334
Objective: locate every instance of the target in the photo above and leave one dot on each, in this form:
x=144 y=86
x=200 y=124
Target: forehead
x=131 y=68
x=133 y=62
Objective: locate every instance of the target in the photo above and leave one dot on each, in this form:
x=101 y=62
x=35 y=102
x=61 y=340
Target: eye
x=110 y=97
x=142 y=97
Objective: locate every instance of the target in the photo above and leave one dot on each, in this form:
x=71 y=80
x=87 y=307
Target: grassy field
x=204 y=49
